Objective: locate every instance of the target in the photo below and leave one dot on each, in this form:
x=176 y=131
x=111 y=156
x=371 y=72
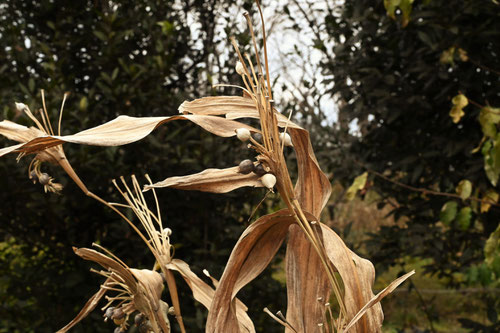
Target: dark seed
x=118 y=330
x=259 y=170
x=245 y=167
x=145 y=327
x=138 y=319
x=118 y=314
x=33 y=176
x=257 y=137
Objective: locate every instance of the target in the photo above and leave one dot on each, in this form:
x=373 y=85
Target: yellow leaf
x=464 y=189
x=358 y=184
x=456 y=112
x=489 y=198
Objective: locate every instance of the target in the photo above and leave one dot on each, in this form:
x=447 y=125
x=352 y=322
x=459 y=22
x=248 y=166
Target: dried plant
x=318 y=263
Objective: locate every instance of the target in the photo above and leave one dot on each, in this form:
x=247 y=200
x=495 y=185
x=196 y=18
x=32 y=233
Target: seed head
x=245 y=167
x=44 y=179
x=138 y=319
x=243 y=134
x=257 y=137
x=109 y=312
x=269 y=180
x=285 y=137
x=239 y=68
x=21 y=107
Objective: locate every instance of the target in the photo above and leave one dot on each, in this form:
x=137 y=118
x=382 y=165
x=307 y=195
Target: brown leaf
x=357 y=275
x=204 y=294
x=124 y=130
x=217 y=105
x=87 y=308
x=376 y=299
x=211 y=180
x=252 y=253
x=313 y=187
x=307 y=284
x=108 y=263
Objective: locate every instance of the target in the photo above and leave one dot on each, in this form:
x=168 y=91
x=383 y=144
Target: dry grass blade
x=376 y=299
x=252 y=253
x=211 y=180
x=307 y=284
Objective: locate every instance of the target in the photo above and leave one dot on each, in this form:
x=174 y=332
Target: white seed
x=44 y=179
x=243 y=134
x=167 y=231
x=206 y=272
x=268 y=180
x=239 y=68
x=21 y=107
x=286 y=138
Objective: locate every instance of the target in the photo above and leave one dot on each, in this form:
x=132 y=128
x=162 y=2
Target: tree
x=394 y=68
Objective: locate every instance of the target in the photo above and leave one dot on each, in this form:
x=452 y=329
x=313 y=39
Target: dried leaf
x=204 y=294
x=256 y=247
x=211 y=180
x=313 y=187
x=87 y=308
x=217 y=105
x=307 y=284
x=357 y=275
x=124 y=130
x=376 y=299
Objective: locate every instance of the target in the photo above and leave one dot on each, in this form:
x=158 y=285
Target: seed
x=145 y=327
x=243 y=134
x=239 y=68
x=269 y=180
x=245 y=167
x=118 y=314
x=109 y=312
x=259 y=170
x=33 y=176
x=138 y=319
x=44 y=179
x=286 y=138
x=118 y=330
x=20 y=107
x=167 y=231
x=257 y=137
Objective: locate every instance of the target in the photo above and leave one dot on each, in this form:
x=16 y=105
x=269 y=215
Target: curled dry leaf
x=204 y=294
x=252 y=253
x=124 y=130
x=211 y=180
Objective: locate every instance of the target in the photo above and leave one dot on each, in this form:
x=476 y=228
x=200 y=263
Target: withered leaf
x=376 y=299
x=307 y=284
x=204 y=294
x=211 y=180
x=252 y=253
x=124 y=130
x=217 y=105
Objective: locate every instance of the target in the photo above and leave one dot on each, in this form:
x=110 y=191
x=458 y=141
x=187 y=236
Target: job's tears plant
x=319 y=265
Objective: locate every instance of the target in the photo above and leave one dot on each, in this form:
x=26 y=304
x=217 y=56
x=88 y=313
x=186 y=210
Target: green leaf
x=358 y=184
x=100 y=35
x=492 y=246
x=464 y=217
x=464 y=189
x=489 y=118
x=448 y=212
x=84 y=103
